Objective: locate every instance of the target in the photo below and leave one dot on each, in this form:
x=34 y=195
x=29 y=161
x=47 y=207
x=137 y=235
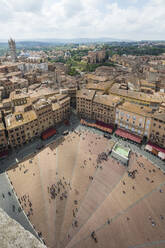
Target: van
x=66 y=132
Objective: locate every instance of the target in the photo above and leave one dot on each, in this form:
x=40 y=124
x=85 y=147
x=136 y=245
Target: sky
x=118 y=19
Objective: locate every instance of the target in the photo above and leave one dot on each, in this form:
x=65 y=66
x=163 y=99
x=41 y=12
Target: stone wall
x=14 y=235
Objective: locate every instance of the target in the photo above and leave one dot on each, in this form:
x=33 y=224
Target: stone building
x=34 y=117
x=157 y=134
x=84 y=99
x=136 y=97
x=96 y=106
x=43 y=109
x=21 y=128
x=61 y=108
x=3 y=139
x=103 y=108
x=134 y=118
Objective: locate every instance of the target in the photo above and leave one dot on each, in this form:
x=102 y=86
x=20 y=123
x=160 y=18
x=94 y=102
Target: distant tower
x=12 y=48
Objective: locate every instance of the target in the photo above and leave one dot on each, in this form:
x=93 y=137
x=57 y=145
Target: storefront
x=126 y=135
x=156 y=150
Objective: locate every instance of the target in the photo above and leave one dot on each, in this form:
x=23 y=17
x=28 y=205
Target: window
x=147 y=126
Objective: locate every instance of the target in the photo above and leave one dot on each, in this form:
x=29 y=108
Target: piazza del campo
x=82 y=144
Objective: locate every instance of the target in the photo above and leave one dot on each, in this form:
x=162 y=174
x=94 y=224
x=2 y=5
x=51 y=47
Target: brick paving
x=68 y=191
x=66 y=158
x=26 y=181
x=105 y=180
x=123 y=195
x=85 y=168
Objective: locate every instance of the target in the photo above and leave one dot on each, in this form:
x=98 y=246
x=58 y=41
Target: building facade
x=3 y=139
x=61 y=109
x=43 y=110
x=21 y=128
x=103 y=108
x=157 y=134
x=84 y=100
x=134 y=118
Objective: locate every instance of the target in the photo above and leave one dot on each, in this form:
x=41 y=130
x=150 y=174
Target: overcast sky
x=122 y=19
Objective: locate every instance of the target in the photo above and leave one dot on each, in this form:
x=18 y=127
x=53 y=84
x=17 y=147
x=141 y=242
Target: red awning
x=127 y=135
x=100 y=123
x=48 y=133
x=155 y=147
x=101 y=126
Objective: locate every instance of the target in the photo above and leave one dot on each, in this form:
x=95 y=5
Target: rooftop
x=134 y=108
x=19 y=119
x=85 y=93
x=134 y=94
x=41 y=103
x=99 y=86
x=96 y=77
x=55 y=106
x=109 y=100
x=160 y=115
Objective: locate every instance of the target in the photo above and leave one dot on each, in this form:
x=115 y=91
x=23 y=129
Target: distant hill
x=46 y=42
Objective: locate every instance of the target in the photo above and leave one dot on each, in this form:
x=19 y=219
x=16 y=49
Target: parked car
x=108 y=136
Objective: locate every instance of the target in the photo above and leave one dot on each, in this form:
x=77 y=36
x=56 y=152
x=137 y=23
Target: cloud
x=25 y=5
x=6 y=12
x=82 y=18
x=72 y=8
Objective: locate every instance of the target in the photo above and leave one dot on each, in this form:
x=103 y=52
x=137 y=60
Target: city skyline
x=131 y=20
